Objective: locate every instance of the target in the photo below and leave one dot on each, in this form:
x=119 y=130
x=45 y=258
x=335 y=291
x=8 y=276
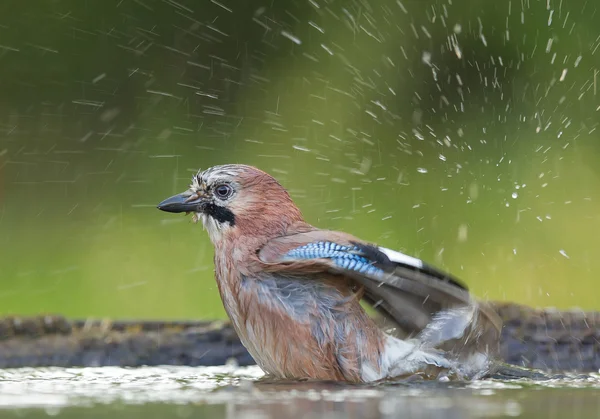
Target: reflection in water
x=227 y=392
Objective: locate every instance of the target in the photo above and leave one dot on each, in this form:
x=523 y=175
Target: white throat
x=212 y=226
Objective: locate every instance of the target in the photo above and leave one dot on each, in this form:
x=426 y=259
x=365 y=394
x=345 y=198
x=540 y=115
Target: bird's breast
x=301 y=327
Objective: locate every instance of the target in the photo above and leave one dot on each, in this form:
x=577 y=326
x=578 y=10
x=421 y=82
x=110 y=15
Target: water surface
x=230 y=392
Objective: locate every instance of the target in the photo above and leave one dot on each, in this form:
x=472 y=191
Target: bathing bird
x=299 y=296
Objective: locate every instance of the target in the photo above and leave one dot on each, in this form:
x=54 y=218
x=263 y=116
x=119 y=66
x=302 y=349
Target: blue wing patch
x=346 y=257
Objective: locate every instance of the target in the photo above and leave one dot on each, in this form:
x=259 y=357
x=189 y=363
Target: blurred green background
x=462 y=132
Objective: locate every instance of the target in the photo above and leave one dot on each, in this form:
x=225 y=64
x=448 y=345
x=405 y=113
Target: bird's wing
x=416 y=297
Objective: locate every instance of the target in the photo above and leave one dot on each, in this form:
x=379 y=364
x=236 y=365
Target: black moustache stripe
x=220 y=214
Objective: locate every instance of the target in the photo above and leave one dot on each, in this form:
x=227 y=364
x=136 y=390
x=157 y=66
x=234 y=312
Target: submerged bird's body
x=293 y=292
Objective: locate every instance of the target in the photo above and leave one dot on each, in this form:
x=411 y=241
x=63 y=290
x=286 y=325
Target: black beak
x=183 y=202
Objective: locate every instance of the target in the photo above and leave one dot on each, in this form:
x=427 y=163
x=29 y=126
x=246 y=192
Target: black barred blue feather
x=346 y=257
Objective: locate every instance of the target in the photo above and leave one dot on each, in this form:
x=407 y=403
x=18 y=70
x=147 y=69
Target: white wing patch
x=402 y=258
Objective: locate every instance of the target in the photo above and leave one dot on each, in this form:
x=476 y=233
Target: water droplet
x=463 y=231
x=426 y=58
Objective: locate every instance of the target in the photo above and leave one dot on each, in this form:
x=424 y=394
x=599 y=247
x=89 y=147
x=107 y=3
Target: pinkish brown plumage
x=292 y=291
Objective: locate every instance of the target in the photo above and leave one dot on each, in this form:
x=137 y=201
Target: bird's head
x=236 y=200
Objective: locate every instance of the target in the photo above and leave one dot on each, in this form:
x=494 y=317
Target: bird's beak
x=188 y=201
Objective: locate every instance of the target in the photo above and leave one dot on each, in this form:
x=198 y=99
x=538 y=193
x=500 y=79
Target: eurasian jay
x=293 y=291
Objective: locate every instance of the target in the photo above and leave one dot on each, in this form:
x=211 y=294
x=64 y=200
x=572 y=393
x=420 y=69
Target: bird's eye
x=223 y=191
